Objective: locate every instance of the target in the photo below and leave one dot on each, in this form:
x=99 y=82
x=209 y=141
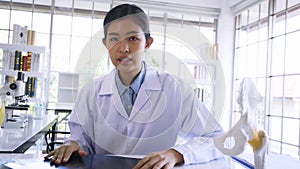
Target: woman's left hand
x=165 y=159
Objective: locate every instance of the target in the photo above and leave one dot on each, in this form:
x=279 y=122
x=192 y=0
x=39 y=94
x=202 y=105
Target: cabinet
x=35 y=68
x=67 y=88
x=208 y=82
x=203 y=79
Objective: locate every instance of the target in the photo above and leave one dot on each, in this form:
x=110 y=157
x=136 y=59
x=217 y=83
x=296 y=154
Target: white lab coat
x=165 y=108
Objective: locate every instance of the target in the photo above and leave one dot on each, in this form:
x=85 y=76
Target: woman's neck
x=128 y=78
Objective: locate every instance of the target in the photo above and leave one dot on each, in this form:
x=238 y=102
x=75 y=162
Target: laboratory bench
x=18 y=140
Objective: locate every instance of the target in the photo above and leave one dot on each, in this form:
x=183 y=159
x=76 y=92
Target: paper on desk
x=129 y=156
x=28 y=163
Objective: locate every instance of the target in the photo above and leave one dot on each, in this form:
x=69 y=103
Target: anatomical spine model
x=245 y=130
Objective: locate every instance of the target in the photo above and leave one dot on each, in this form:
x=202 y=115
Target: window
x=266 y=50
x=183 y=52
x=72 y=29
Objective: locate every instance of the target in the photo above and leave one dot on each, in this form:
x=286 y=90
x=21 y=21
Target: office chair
x=51 y=137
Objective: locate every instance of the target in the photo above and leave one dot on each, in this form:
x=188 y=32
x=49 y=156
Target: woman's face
x=126 y=43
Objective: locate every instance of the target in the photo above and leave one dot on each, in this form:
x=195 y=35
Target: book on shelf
x=6 y=65
x=18 y=57
x=31 y=85
x=28 y=86
x=30 y=37
x=11 y=60
x=19 y=34
x=28 y=66
x=24 y=63
x=35 y=62
x=201 y=72
x=202 y=94
x=32 y=92
x=21 y=61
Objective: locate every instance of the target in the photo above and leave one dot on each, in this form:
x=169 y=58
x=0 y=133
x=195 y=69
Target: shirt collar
x=135 y=85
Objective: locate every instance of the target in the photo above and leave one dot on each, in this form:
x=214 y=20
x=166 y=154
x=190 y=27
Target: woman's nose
x=124 y=47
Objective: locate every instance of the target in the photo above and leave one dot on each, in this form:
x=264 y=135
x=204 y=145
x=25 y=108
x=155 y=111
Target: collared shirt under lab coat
x=165 y=107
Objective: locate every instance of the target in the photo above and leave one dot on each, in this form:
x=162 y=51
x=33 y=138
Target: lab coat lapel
x=140 y=101
x=109 y=88
x=151 y=83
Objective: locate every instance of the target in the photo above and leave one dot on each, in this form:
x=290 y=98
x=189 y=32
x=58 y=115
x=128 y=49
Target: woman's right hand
x=63 y=153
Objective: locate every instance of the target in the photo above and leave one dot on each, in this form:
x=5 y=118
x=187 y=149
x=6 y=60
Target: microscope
x=16 y=103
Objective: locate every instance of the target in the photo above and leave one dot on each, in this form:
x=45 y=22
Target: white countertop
x=13 y=139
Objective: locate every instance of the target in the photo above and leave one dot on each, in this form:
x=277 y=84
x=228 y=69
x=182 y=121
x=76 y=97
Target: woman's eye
x=114 y=39
x=133 y=38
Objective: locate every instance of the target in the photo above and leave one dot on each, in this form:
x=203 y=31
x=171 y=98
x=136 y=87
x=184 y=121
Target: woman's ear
x=103 y=41
x=149 y=42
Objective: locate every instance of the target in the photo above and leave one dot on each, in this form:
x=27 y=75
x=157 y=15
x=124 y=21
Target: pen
x=243 y=162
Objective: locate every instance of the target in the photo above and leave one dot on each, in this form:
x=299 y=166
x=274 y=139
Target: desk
x=99 y=162
x=22 y=161
x=61 y=108
x=19 y=140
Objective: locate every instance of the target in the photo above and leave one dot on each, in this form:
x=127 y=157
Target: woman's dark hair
x=124 y=10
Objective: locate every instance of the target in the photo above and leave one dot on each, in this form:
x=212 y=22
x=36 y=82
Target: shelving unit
x=14 y=73
x=41 y=74
x=25 y=48
x=68 y=84
x=204 y=79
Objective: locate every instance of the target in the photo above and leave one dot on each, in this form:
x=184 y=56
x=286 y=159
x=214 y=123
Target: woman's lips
x=123 y=59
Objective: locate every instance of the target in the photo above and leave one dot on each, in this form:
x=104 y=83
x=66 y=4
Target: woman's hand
x=64 y=152
x=166 y=160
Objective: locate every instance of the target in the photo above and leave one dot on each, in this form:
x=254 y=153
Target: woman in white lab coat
x=138 y=110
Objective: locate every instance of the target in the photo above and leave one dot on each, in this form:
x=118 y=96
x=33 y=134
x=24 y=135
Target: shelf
x=24 y=48
x=200 y=61
x=39 y=68
x=204 y=82
x=15 y=73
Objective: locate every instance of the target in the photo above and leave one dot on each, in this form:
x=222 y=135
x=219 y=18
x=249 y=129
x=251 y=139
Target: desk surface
x=97 y=161
x=22 y=161
x=19 y=140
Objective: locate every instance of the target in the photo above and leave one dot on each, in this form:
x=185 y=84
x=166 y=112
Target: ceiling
x=200 y=3
x=194 y=3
